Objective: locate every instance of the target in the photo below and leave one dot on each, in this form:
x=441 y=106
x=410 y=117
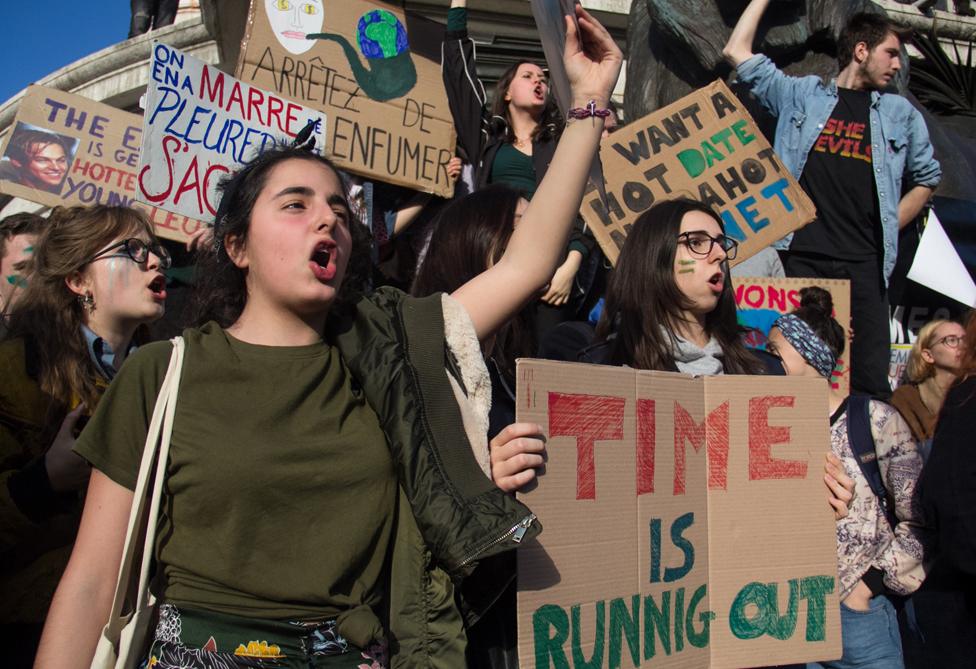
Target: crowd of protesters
x=344 y=453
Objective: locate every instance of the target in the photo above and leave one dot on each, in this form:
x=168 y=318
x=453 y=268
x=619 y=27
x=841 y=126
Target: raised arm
x=465 y=93
x=592 y=61
x=739 y=47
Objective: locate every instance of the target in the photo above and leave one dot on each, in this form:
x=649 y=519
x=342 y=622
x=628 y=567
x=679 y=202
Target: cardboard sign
x=704 y=146
x=202 y=124
x=685 y=521
x=67 y=150
x=388 y=114
x=760 y=301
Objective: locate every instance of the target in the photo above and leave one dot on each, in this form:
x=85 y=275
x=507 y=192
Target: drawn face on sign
x=291 y=20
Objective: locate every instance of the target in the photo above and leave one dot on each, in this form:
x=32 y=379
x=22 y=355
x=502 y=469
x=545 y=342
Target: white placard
x=938 y=266
x=201 y=124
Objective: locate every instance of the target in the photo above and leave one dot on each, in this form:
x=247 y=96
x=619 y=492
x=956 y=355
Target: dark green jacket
x=395 y=346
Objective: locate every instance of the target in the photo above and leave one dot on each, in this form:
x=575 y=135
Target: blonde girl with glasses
x=933 y=365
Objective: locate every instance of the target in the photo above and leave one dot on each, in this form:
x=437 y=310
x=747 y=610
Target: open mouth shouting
x=717 y=282
x=158 y=287
x=322 y=261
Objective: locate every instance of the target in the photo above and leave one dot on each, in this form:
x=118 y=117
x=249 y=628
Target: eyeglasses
x=700 y=243
x=952 y=341
x=138 y=251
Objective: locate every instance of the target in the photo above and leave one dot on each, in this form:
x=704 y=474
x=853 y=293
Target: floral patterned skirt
x=188 y=639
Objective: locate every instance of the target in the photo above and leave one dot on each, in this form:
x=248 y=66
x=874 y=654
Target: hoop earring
x=87 y=302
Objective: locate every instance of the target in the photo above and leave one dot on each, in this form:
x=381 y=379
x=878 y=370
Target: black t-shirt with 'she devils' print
x=838 y=178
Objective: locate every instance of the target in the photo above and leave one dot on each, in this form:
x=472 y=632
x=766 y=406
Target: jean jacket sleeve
x=774 y=89
x=922 y=169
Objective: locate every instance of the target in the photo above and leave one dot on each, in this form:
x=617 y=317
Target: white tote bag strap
x=160 y=425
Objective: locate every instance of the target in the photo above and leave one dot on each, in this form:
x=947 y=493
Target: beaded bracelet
x=588 y=111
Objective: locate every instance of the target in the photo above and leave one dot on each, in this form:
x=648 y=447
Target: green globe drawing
x=381 y=35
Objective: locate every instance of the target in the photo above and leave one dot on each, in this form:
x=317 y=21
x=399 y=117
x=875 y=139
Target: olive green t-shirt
x=280 y=488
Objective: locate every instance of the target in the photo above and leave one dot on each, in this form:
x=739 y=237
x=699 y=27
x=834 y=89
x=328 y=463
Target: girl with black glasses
x=96 y=283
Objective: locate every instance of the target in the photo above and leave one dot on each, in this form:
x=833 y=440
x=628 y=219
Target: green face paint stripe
x=687 y=262
x=28 y=249
x=686 y=271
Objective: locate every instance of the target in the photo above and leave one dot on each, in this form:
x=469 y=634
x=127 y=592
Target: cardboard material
x=684 y=521
x=201 y=125
x=760 y=301
x=388 y=114
x=938 y=266
x=704 y=146
x=100 y=146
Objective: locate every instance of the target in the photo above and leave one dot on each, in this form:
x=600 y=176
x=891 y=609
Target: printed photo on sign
x=68 y=150
x=202 y=124
x=354 y=59
x=37 y=158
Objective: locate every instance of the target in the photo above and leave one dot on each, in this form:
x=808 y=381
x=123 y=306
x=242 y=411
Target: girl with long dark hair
x=511 y=142
x=669 y=302
x=324 y=494
x=470 y=236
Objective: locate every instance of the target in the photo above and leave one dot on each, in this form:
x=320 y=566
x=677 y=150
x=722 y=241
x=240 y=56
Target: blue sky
x=38 y=38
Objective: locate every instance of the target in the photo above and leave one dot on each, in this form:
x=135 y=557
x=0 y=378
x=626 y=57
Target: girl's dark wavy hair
x=220 y=291
x=469 y=236
x=644 y=303
x=550 y=124
x=816 y=310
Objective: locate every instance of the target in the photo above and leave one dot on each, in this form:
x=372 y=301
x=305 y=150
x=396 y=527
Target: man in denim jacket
x=864 y=157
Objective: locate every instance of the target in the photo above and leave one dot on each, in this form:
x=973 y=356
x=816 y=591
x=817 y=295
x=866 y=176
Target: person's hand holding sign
x=840 y=486
x=516 y=454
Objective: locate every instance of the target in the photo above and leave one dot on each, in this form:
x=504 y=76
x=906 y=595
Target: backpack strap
x=861 y=440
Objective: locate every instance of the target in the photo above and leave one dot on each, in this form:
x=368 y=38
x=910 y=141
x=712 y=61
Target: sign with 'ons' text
x=759 y=301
